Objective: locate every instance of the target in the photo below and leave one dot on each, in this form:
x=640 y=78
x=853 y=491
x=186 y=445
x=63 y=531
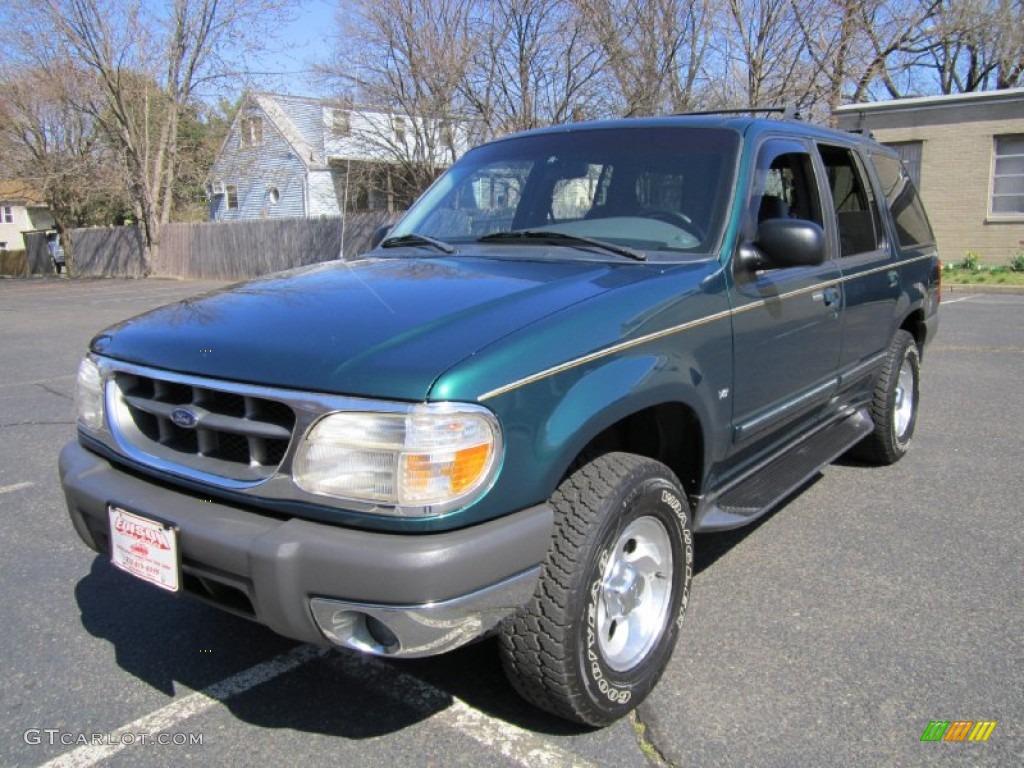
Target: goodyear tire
x=894 y=405
x=601 y=626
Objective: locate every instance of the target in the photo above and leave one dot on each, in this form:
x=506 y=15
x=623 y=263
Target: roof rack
x=787 y=113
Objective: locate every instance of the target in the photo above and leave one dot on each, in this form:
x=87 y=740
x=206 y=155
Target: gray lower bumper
x=431 y=592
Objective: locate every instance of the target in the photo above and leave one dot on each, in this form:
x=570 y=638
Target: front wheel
x=600 y=629
x=894 y=405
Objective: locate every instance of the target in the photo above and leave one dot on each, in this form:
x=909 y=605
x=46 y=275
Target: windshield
x=653 y=189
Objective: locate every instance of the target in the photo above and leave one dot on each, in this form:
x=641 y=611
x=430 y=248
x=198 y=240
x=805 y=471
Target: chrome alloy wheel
x=636 y=587
x=903 y=403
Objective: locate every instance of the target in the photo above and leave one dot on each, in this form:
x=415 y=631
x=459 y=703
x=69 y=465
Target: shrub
x=971 y=262
x=1017 y=262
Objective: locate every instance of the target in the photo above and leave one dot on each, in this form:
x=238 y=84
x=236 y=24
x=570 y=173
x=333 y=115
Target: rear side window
x=856 y=212
x=912 y=227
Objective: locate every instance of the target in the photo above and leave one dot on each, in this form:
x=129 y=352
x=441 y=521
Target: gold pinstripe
x=727 y=313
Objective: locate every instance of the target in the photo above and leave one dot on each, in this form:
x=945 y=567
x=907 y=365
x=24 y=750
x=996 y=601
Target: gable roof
x=312 y=157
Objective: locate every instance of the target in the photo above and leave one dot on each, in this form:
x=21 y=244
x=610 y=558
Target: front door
x=787 y=323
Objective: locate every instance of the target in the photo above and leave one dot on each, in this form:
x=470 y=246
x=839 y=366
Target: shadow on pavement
x=171 y=642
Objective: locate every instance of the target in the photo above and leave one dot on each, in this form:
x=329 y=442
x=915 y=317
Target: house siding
x=23 y=219
x=957 y=154
x=304 y=161
x=255 y=171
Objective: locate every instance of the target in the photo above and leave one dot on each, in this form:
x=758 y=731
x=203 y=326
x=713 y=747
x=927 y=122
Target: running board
x=766 y=485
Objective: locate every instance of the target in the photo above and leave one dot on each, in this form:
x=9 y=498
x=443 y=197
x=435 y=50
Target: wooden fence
x=224 y=250
x=107 y=252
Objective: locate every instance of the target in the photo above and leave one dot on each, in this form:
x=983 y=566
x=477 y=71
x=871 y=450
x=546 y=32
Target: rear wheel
x=894 y=406
x=601 y=627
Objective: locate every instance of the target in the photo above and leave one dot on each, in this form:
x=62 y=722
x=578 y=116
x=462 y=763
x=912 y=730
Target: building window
x=341 y=122
x=274 y=195
x=232 y=197
x=8 y=214
x=398 y=123
x=251 y=130
x=910 y=155
x=1008 y=176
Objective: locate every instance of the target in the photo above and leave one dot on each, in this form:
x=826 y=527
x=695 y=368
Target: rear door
x=871 y=278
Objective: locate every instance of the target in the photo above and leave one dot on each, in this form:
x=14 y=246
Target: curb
x=1013 y=290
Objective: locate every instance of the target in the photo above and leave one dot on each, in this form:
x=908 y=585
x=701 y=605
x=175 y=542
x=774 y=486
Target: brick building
x=966 y=154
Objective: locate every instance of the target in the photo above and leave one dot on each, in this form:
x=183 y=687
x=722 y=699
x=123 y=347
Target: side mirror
x=782 y=243
x=378 y=235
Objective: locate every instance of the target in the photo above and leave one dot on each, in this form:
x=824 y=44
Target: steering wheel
x=675 y=218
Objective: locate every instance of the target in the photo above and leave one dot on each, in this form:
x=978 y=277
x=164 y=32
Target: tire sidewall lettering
x=605 y=684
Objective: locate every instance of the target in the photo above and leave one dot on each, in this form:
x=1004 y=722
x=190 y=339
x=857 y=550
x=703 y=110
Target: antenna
x=344 y=206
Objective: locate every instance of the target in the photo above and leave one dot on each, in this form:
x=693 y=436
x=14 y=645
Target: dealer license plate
x=145 y=548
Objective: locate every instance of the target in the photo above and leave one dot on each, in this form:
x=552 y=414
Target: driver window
x=785 y=189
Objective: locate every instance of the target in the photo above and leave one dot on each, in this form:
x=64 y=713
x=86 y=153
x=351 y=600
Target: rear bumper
x=431 y=592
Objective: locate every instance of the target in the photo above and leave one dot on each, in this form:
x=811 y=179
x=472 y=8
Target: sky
x=307 y=38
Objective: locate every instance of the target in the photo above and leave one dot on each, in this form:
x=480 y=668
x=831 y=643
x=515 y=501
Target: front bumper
x=390 y=594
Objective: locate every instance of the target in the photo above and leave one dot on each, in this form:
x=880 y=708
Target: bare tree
x=149 y=61
x=978 y=45
x=406 y=61
x=535 y=67
x=654 y=50
x=58 y=150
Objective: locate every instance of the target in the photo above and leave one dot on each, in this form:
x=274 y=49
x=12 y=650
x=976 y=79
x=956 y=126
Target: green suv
x=580 y=347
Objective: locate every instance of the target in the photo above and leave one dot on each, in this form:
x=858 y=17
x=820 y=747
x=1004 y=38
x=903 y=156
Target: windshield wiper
x=527 y=235
x=414 y=239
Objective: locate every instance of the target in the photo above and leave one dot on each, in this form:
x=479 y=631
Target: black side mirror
x=782 y=243
x=379 y=234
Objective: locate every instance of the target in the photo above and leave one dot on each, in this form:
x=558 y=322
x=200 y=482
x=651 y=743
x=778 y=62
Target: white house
x=288 y=156
x=21 y=210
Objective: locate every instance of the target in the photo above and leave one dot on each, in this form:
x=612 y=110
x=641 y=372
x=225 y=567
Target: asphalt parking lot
x=832 y=633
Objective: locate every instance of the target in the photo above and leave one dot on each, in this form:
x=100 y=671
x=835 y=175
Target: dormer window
x=251 y=132
x=340 y=121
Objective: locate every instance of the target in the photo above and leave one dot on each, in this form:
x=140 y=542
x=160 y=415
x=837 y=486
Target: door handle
x=894 y=278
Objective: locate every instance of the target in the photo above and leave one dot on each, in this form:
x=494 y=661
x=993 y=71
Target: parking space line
x=519 y=745
x=15 y=487
x=947 y=302
x=193 y=704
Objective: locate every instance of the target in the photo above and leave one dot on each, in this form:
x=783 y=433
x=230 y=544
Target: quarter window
x=1008 y=176
x=912 y=228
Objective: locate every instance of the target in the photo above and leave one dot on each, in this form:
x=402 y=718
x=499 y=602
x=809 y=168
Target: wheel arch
x=669 y=430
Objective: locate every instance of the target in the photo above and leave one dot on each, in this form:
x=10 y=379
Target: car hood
x=384 y=327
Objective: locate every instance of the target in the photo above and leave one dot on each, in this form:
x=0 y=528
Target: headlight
x=89 y=395
x=425 y=461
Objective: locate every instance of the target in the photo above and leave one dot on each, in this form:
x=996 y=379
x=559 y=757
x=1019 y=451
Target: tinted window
x=856 y=212
x=908 y=214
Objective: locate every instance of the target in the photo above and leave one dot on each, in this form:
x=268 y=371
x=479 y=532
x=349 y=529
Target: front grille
x=201 y=426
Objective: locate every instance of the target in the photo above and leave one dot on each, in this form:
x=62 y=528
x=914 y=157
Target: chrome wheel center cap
x=623 y=590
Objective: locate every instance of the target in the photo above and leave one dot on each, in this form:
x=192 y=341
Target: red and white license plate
x=145 y=548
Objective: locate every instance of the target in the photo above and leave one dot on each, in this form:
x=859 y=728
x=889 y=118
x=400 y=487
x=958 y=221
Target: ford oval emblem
x=184 y=418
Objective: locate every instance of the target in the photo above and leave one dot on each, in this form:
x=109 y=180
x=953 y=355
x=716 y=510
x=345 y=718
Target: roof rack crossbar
x=788 y=113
